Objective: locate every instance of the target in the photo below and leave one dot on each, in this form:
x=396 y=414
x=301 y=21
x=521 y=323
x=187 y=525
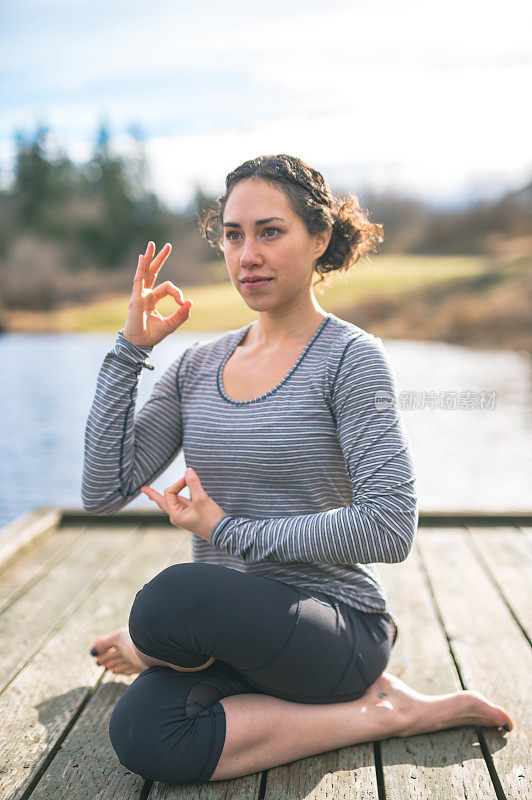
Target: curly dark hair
x=353 y=234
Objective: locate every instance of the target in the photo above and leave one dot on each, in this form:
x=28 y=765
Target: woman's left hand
x=198 y=515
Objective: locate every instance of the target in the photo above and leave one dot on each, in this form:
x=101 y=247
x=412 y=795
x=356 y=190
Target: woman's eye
x=231 y=234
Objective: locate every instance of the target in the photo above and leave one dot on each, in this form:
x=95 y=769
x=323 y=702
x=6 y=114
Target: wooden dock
x=462 y=599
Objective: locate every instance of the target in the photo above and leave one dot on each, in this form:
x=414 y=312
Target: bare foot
x=116 y=653
x=424 y=713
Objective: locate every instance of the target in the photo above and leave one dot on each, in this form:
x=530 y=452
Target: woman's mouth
x=256 y=284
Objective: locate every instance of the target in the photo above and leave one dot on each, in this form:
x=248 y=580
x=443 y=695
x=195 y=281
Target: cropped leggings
x=266 y=637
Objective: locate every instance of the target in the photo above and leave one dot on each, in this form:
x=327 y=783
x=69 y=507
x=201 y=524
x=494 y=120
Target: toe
x=109 y=661
x=102 y=644
x=507 y=723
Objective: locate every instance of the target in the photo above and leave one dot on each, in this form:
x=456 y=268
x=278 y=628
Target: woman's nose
x=250 y=254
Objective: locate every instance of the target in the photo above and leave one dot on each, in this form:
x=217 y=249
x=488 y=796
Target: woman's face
x=263 y=237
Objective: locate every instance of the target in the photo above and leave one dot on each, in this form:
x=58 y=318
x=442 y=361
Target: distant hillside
x=489 y=310
x=471 y=301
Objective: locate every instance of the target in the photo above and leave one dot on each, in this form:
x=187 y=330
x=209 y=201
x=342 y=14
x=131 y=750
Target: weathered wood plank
x=444 y=764
x=246 y=788
x=343 y=774
x=490 y=650
x=40 y=705
x=25 y=531
x=506 y=554
x=29 y=567
x=85 y=766
x=30 y=620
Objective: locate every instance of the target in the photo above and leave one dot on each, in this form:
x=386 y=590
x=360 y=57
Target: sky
x=422 y=98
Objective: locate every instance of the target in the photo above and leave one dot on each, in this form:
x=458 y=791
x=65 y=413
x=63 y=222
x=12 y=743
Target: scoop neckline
x=232 y=349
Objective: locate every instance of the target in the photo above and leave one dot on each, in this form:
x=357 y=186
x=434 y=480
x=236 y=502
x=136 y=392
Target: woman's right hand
x=144 y=325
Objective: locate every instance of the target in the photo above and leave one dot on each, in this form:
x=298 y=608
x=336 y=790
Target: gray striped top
x=315 y=476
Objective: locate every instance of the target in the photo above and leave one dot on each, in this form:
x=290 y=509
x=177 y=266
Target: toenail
x=94 y=651
x=506 y=726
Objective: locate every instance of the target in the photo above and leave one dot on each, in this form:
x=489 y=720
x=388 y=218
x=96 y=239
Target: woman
x=271 y=646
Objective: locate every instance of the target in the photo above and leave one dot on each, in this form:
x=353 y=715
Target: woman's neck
x=272 y=330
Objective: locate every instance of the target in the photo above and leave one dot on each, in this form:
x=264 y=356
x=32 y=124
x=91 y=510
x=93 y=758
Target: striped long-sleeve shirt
x=315 y=476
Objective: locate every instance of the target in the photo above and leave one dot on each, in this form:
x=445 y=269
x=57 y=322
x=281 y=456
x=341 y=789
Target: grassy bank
x=220 y=307
x=492 y=310
x=469 y=300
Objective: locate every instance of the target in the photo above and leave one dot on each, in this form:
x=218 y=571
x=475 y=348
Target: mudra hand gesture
x=144 y=325
x=198 y=515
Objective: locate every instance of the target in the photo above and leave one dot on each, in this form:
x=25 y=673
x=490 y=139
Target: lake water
x=468 y=414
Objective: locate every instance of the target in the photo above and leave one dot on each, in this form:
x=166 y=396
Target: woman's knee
x=155 y=735
x=164 y=611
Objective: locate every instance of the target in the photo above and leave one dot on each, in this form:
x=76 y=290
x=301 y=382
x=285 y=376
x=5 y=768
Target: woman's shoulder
x=357 y=359
x=349 y=343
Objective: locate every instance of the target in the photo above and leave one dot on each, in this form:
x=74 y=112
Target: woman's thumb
x=193 y=482
x=182 y=313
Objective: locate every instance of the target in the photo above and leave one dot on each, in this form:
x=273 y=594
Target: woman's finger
x=156 y=497
x=177 y=486
x=172 y=492
x=174 y=498
x=140 y=276
x=175 y=501
x=165 y=289
x=156 y=265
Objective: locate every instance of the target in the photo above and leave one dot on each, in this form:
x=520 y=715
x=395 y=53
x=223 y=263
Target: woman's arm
x=381 y=522
x=124 y=451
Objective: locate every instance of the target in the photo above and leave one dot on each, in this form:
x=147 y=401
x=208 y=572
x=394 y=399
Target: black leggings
x=267 y=638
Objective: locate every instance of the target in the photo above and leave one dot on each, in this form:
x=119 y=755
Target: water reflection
x=465 y=459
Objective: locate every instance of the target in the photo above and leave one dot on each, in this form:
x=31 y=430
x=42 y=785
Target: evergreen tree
x=130 y=215
x=33 y=182
x=151 y=220
x=40 y=181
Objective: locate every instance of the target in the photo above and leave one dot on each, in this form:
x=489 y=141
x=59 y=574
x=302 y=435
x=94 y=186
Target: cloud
x=332 y=145
x=433 y=94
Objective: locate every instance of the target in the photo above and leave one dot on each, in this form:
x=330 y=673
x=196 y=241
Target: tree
x=130 y=214
x=40 y=182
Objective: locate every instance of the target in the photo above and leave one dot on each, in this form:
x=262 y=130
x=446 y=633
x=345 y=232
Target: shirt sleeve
x=379 y=525
x=123 y=450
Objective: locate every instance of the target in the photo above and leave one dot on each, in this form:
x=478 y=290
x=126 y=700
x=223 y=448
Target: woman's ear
x=322 y=240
